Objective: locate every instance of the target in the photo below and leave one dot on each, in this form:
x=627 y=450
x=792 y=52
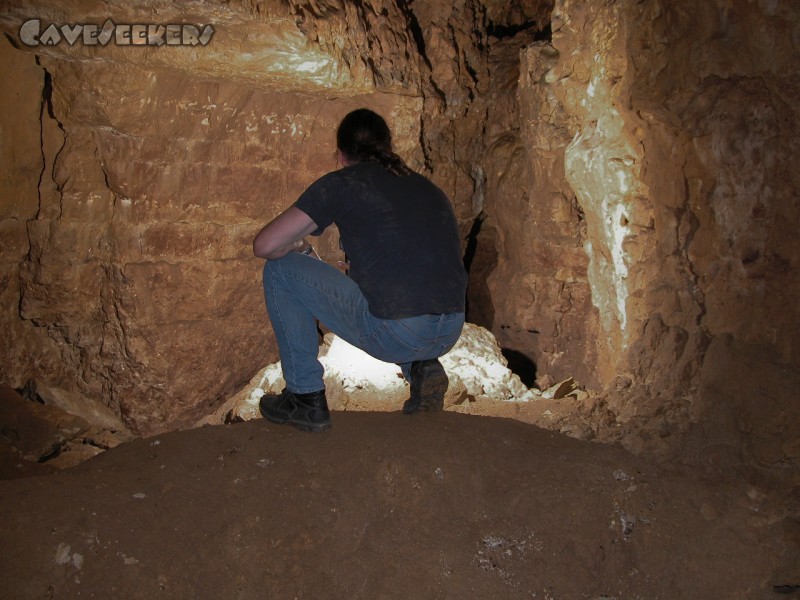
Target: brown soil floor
x=387 y=506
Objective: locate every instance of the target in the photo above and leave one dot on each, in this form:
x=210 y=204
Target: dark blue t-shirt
x=400 y=234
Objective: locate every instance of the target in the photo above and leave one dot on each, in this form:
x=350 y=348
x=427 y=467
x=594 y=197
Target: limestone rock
x=36 y=431
x=477 y=361
x=563 y=389
x=354 y=380
x=664 y=132
x=132 y=269
x=98 y=415
x=74 y=453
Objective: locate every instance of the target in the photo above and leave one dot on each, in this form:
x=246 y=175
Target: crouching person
x=403 y=301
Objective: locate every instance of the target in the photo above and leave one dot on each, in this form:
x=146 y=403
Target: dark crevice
x=415 y=29
x=47 y=89
x=29 y=256
x=540 y=34
x=47 y=103
x=480 y=260
x=45 y=109
x=47 y=96
x=51 y=454
x=521 y=365
x=95 y=444
x=12 y=41
x=230 y=418
x=786 y=588
x=472 y=73
x=472 y=241
x=29 y=392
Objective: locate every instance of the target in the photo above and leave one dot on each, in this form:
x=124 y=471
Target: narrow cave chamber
x=623 y=178
x=541 y=33
x=603 y=238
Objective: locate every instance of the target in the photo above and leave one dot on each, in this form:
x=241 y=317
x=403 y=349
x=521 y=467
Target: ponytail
x=363 y=136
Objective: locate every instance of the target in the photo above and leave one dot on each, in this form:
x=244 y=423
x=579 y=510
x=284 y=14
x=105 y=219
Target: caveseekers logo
x=89 y=34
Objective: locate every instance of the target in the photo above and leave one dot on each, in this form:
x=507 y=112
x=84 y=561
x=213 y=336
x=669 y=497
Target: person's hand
x=300 y=246
x=304 y=247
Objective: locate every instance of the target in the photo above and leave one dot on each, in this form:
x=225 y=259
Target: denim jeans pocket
x=427 y=332
x=412 y=334
x=415 y=338
x=385 y=344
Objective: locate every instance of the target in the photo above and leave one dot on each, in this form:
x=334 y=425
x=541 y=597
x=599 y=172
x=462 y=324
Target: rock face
x=646 y=252
x=685 y=135
x=129 y=266
x=623 y=174
x=33 y=430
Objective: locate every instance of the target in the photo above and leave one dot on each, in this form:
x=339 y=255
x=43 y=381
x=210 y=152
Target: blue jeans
x=301 y=289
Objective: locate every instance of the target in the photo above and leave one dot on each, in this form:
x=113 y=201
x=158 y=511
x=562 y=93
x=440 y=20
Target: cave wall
x=638 y=190
x=142 y=174
x=685 y=137
x=728 y=190
x=541 y=299
x=133 y=191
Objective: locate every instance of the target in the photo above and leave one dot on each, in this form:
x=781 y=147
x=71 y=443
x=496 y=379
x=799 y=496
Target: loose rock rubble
x=475 y=366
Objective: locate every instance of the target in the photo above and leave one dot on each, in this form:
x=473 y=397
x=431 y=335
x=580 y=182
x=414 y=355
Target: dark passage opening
x=480 y=259
x=521 y=365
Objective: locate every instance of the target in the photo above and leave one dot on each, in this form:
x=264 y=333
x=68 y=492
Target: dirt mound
x=385 y=506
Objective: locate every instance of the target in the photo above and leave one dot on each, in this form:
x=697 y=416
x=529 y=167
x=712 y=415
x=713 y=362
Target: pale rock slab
x=355 y=381
x=34 y=430
x=97 y=414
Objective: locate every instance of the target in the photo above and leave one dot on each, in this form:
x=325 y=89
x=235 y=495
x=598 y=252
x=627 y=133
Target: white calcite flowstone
x=355 y=381
x=477 y=362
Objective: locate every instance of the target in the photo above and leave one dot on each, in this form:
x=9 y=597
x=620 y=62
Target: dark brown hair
x=363 y=136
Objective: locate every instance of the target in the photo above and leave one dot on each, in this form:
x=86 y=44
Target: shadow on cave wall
x=480 y=260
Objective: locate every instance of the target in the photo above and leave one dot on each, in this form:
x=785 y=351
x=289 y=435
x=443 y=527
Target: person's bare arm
x=283 y=234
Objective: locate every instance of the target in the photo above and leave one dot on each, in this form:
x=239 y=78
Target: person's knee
x=269 y=270
x=285 y=266
x=274 y=266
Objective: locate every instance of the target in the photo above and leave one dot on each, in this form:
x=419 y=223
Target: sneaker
x=307 y=412
x=428 y=386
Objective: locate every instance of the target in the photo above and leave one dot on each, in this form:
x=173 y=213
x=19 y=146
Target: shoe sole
x=431 y=396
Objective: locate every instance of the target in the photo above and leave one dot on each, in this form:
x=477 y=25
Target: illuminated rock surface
x=624 y=180
x=355 y=381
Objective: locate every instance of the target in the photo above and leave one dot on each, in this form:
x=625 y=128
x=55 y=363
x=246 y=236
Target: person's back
x=400 y=234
